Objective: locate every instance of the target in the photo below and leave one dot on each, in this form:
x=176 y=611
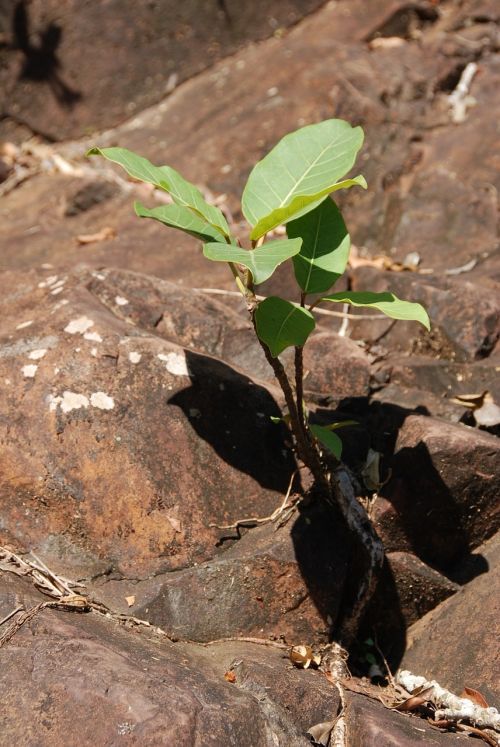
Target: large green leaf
x=325 y=247
x=281 y=324
x=387 y=303
x=261 y=262
x=302 y=168
x=164 y=177
x=180 y=217
x=328 y=439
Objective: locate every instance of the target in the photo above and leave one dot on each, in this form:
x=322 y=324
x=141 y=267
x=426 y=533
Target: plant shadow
x=422 y=519
x=41 y=63
x=236 y=421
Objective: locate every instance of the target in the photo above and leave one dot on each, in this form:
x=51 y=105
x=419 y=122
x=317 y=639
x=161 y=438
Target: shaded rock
x=457 y=643
x=140 y=689
x=407 y=590
x=134 y=58
x=143 y=689
x=125 y=443
x=442 y=497
x=286 y=584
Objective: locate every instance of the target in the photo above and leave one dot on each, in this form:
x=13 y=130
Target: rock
x=137 y=57
x=128 y=445
x=368 y=723
x=457 y=643
x=442 y=496
x=285 y=584
x=141 y=688
x=465 y=318
x=407 y=590
x=336 y=367
x=444 y=379
x=419 y=401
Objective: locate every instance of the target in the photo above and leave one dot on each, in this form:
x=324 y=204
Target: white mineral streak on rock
x=72 y=401
x=29 y=371
x=134 y=357
x=79 y=326
x=94 y=336
x=24 y=324
x=35 y=355
x=56 y=291
x=53 y=402
x=102 y=401
x=175 y=363
x=48 y=281
x=120 y=301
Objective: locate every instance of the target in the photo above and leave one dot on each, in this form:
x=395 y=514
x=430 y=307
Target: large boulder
x=134 y=56
x=127 y=445
x=441 y=500
x=457 y=643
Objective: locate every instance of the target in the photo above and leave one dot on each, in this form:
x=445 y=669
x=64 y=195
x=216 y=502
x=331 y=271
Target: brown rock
x=420 y=401
x=135 y=57
x=140 y=688
x=125 y=443
x=370 y=724
x=465 y=317
x=336 y=367
x=286 y=583
x=442 y=497
x=457 y=643
x=96 y=683
x=407 y=590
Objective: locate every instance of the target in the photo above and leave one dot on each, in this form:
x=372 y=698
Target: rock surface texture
x=135 y=404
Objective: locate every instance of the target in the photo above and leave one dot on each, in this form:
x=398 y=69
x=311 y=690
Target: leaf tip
x=95 y=151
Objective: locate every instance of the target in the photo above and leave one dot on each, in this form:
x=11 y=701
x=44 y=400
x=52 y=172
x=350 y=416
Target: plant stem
x=306 y=451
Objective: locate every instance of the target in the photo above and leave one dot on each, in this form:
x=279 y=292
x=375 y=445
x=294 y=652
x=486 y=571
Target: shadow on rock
x=324 y=553
x=41 y=63
x=239 y=429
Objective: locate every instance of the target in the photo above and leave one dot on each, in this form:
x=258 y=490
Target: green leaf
x=164 y=177
x=387 y=303
x=180 y=217
x=330 y=440
x=281 y=324
x=261 y=262
x=302 y=169
x=325 y=247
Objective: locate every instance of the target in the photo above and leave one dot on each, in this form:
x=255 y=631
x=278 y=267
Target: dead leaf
x=475 y=696
x=470 y=400
x=484 y=408
x=90 y=238
x=130 y=600
x=174 y=523
x=303 y=656
x=320 y=733
x=230 y=676
x=415 y=701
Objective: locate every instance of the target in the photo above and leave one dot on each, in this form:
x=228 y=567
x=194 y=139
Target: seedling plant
x=291 y=186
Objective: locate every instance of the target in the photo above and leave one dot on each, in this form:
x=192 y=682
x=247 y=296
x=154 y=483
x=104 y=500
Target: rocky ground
x=135 y=411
